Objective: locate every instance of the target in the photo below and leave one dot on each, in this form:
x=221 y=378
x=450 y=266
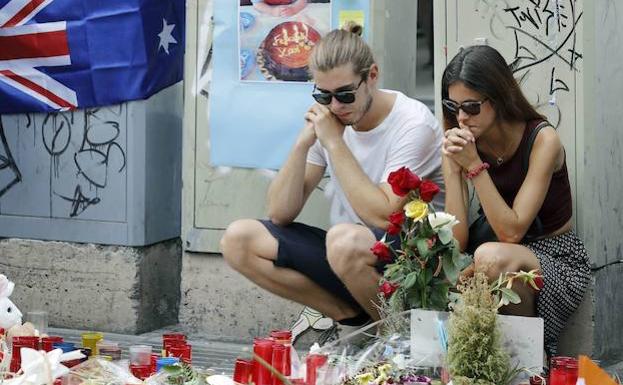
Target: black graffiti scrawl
x=9 y=172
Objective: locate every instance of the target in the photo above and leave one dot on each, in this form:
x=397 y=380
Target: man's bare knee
x=235 y=243
x=344 y=248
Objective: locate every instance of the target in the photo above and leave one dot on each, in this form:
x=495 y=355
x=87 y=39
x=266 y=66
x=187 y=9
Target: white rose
x=442 y=223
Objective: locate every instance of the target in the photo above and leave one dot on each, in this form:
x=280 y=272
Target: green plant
x=475 y=354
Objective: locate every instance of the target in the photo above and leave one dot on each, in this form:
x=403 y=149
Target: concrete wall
x=105 y=288
x=600 y=209
x=222 y=304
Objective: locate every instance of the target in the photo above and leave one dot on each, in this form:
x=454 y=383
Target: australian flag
x=58 y=55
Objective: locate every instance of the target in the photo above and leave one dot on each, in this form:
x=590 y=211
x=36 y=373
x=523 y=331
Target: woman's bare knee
x=490 y=258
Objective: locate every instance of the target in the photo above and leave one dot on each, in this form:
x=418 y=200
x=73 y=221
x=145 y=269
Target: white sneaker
x=340 y=334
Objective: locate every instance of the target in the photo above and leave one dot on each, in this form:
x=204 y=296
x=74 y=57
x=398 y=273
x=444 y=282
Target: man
x=360 y=134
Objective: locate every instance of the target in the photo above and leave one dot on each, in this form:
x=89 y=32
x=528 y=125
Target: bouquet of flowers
x=424 y=257
x=387 y=373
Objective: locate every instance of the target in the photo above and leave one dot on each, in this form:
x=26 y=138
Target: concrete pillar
x=86 y=286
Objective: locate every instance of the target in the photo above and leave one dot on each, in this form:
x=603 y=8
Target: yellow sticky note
x=357 y=16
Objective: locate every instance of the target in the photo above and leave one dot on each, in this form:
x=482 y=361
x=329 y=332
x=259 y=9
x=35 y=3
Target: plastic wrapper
x=100 y=371
x=387 y=352
x=179 y=374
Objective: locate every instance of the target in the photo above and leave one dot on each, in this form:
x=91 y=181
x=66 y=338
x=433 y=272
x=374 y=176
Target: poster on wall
x=254 y=114
x=276 y=37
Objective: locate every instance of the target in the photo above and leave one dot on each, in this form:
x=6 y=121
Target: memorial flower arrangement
x=386 y=373
x=423 y=257
x=475 y=352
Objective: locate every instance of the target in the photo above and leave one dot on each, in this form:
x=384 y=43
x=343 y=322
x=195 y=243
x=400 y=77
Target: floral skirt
x=566 y=275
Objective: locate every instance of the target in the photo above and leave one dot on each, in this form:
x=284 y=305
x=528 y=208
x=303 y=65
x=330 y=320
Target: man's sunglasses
x=469 y=107
x=345 y=97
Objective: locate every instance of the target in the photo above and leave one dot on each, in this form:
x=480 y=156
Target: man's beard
x=363 y=113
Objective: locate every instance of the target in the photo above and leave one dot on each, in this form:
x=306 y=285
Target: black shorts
x=303 y=248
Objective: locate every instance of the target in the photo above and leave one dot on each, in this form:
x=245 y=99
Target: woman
x=524 y=192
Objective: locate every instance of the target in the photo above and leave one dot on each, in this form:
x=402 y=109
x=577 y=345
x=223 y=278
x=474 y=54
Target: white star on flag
x=165 y=36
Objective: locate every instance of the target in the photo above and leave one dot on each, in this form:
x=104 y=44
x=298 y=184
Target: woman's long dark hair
x=485 y=71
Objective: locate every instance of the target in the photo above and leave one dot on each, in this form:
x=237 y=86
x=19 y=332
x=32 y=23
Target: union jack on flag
x=67 y=54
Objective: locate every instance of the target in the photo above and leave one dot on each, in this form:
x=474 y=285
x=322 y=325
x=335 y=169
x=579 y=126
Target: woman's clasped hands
x=459 y=146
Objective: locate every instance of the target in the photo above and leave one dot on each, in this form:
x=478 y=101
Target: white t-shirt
x=409 y=136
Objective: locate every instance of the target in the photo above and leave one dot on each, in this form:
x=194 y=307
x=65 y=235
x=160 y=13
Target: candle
x=263 y=348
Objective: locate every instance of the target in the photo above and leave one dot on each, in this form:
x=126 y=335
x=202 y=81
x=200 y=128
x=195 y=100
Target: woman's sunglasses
x=469 y=107
x=345 y=97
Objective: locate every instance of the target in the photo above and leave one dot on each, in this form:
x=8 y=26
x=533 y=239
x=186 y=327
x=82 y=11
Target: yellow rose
x=416 y=209
x=365 y=378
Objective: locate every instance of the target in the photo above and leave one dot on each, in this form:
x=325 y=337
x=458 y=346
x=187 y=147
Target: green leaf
x=391 y=269
x=451 y=270
x=422 y=247
x=510 y=295
x=461 y=260
x=413 y=301
x=439 y=296
x=410 y=280
x=428 y=275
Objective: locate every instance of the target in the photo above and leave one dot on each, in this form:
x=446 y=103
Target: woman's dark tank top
x=509 y=176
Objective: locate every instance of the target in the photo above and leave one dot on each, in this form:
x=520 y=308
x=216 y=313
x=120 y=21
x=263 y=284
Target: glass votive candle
x=558 y=371
x=242 y=371
x=263 y=348
x=140 y=371
x=171 y=339
x=140 y=355
x=38 y=319
x=314 y=361
x=47 y=342
x=90 y=340
x=183 y=352
x=279 y=362
x=571 y=371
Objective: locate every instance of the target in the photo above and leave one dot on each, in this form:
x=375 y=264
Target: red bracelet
x=477 y=170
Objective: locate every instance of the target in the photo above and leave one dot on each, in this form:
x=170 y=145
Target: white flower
x=442 y=223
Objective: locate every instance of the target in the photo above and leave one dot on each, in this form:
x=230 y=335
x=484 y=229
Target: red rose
x=393 y=229
x=395 y=222
x=403 y=181
x=538 y=281
x=381 y=251
x=388 y=288
x=428 y=189
x=397 y=218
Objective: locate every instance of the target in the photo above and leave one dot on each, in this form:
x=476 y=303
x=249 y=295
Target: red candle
x=172 y=339
x=284 y=337
x=153 y=362
x=263 y=348
x=558 y=371
x=314 y=361
x=280 y=361
x=242 y=371
x=140 y=371
x=183 y=352
x=572 y=371
x=46 y=342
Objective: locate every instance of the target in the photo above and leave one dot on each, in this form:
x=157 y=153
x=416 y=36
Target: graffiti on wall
x=64 y=165
x=545 y=43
